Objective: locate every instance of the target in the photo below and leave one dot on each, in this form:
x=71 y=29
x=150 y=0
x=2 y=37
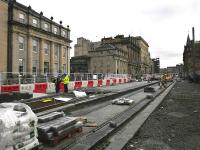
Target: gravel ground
x=174 y=125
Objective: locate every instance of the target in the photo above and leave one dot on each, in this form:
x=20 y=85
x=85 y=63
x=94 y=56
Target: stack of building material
x=18 y=127
x=149 y=89
x=123 y=101
x=56 y=126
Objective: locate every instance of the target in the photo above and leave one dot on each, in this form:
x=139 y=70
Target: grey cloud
x=163 y=12
x=169 y=54
x=195 y=5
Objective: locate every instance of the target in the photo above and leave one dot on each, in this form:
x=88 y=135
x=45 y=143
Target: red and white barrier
x=50 y=87
x=26 y=88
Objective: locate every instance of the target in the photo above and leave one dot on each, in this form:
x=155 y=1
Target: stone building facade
x=122 y=56
x=156 y=65
x=108 y=58
x=81 y=62
x=3 y=34
x=118 y=55
x=35 y=44
x=82 y=47
x=145 y=58
x=191 y=58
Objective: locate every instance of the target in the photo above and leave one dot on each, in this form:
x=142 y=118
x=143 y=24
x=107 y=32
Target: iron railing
x=8 y=78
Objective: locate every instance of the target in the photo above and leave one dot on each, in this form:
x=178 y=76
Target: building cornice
x=16 y=23
x=140 y=38
x=29 y=10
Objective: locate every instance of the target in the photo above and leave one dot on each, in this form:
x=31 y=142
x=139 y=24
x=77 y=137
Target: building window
x=56 y=67
x=56 y=50
x=21 y=65
x=63 y=33
x=46 y=67
x=35 y=66
x=55 y=30
x=35 y=46
x=68 y=34
x=34 y=70
x=46 y=27
x=46 y=48
x=21 y=43
x=22 y=18
x=64 y=68
x=35 y=22
x=64 y=52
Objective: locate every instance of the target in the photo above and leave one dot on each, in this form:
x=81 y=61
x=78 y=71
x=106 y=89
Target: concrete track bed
x=174 y=125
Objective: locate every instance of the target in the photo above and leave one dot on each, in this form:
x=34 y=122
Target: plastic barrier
x=10 y=88
x=90 y=83
x=71 y=86
x=77 y=84
x=100 y=83
x=120 y=81
x=40 y=88
x=51 y=88
x=107 y=82
x=61 y=87
x=95 y=82
x=114 y=81
x=85 y=84
x=26 y=88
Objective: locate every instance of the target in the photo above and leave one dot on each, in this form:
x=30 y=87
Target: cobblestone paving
x=175 y=125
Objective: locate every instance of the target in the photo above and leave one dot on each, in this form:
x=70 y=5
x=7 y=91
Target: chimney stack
x=193 y=34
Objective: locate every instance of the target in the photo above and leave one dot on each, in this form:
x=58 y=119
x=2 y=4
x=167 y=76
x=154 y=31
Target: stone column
x=68 y=59
x=29 y=54
x=60 y=57
x=52 y=58
x=41 y=57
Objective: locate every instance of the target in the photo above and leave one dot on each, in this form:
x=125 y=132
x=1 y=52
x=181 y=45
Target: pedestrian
x=57 y=84
x=66 y=82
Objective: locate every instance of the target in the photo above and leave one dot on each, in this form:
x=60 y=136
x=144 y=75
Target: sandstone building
x=30 y=42
x=145 y=59
x=118 y=55
x=191 y=58
x=80 y=63
x=156 y=65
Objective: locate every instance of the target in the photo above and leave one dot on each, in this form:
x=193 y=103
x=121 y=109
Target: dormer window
x=63 y=33
x=22 y=18
x=35 y=22
x=55 y=30
x=46 y=27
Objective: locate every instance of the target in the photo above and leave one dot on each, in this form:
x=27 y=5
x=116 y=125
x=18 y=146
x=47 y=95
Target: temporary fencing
x=49 y=86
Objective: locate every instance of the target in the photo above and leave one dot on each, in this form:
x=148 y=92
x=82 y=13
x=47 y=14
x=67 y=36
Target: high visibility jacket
x=66 y=79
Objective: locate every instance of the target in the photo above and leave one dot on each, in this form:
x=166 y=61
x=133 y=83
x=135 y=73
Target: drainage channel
x=100 y=134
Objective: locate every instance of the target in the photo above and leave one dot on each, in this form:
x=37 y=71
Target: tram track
x=41 y=108
x=97 y=136
x=91 y=106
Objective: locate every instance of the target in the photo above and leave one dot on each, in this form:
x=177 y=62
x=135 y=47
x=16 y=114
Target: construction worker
x=163 y=80
x=57 y=84
x=66 y=82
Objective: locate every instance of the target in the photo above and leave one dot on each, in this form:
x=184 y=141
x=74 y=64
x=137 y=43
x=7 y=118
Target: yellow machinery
x=167 y=77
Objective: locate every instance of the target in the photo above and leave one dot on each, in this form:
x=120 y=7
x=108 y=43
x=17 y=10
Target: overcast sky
x=164 y=24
